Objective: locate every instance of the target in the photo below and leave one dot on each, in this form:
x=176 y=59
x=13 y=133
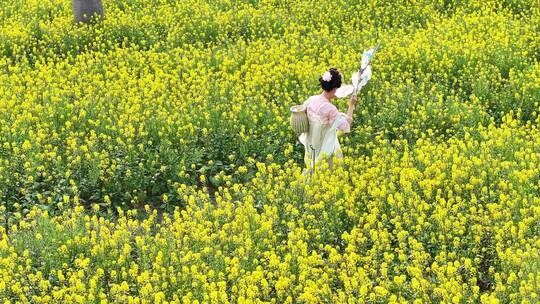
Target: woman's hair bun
x=335 y=81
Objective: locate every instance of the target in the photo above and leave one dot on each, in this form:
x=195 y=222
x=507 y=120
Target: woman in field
x=321 y=141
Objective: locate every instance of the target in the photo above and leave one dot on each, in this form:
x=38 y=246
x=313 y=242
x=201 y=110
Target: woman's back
x=321 y=111
x=318 y=109
x=323 y=126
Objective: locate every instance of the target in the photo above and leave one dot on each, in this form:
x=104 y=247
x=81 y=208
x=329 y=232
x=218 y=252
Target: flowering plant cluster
x=119 y=110
x=111 y=134
x=452 y=222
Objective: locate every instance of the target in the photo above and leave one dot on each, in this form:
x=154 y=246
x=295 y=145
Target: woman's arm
x=352 y=105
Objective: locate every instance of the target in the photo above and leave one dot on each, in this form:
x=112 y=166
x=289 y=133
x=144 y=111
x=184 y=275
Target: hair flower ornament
x=327 y=76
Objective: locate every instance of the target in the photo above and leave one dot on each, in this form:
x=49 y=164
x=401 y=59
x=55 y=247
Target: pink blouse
x=322 y=109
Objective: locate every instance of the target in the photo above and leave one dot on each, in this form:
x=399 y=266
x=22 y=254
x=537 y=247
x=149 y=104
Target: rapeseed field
x=149 y=158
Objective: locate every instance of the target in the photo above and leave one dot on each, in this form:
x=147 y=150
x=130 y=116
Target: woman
x=321 y=141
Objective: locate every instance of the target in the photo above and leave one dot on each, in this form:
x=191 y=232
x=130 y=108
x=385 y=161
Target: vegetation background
x=148 y=158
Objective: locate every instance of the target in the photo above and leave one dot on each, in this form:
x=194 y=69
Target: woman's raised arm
x=352 y=105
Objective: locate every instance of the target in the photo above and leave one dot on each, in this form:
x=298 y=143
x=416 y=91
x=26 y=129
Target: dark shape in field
x=85 y=10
